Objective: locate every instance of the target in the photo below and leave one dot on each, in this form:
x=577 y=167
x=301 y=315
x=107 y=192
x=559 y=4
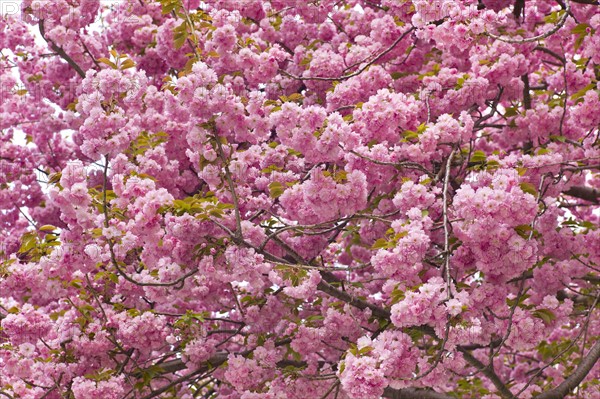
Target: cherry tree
x=300 y=199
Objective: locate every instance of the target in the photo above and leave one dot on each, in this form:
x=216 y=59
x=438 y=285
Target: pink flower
x=361 y=379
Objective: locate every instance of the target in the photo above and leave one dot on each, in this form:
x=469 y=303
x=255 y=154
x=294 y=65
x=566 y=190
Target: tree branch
x=574 y=379
x=59 y=50
x=173 y=366
x=519 y=9
x=588 y=2
x=234 y=197
x=552 y=53
x=586 y=193
x=556 y=28
x=489 y=373
x=358 y=303
x=412 y=393
x=361 y=70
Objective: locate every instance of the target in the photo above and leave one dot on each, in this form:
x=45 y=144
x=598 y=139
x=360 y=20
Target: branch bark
x=358 y=303
x=585 y=193
x=59 y=50
x=559 y=392
x=574 y=379
x=173 y=366
x=489 y=373
x=588 y=2
x=361 y=70
x=412 y=393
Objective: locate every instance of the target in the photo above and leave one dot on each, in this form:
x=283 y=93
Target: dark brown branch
x=177 y=381
x=552 y=53
x=59 y=50
x=175 y=365
x=493 y=108
x=361 y=70
x=588 y=2
x=526 y=94
x=519 y=9
x=489 y=373
x=220 y=358
x=358 y=303
x=574 y=379
x=412 y=393
x=586 y=193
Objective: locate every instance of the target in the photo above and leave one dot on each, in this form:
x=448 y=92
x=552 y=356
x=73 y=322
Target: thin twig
x=440 y=353
x=236 y=203
x=361 y=70
x=559 y=355
x=552 y=31
x=111 y=244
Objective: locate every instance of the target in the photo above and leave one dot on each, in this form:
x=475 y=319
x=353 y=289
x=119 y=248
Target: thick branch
x=220 y=358
x=412 y=393
x=586 y=193
x=359 y=303
x=59 y=50
x=526 y=93
x=519 y=8
x=489 y=373
x=574 y=379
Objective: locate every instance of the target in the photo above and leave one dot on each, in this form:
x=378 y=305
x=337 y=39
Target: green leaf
x=410 y=135
x=169 y=5
x=553 y=17
x=179 y=40
x=76 y=283
x=524 y=230
x=580 y=29
x=276 y=189
x=306 y=60
x=107 y=62
x=583 y=91
x=380 y=243
x=35 y=78
x=365 y=350
x=542 y=151
x=28 y=242
x=546 y=315
x=478 y=157
x=216 y=213
x=528 y=188
x=398 y=75
x=128 y=63
x=492 y=165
